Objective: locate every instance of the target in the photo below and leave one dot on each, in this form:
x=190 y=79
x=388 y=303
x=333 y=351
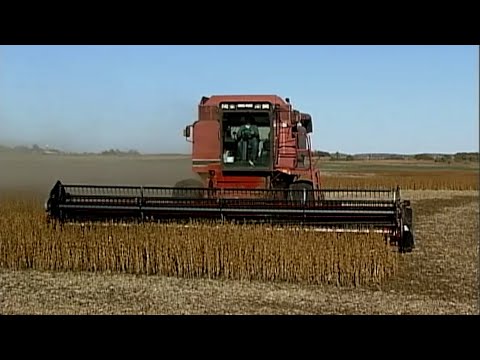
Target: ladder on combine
x=288 y=155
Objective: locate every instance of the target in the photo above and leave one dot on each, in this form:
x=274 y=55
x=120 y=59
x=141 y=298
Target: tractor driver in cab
x=248 y=139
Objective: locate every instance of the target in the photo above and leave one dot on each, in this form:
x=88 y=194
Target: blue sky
x=403 y=99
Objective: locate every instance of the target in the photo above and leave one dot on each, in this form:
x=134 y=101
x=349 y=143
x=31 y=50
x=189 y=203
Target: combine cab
x=254 y=160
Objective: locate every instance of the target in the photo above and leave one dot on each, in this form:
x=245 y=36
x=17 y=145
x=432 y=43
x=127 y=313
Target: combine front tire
x=297 y=193
x=189 y=188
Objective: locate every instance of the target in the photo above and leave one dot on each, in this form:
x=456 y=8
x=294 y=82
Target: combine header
x=254 y=160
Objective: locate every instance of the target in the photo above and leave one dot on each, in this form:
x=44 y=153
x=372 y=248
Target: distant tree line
x=458 y=157
x=117 y=152
x=36 y=149
x=321 y=153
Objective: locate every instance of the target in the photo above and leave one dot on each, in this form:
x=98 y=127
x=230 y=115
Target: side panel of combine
x=206 y=144
x=206 y=141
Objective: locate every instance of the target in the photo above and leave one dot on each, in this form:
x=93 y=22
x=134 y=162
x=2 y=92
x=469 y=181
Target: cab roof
x=216 y=100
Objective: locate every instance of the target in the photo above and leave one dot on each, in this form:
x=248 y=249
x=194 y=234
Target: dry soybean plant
x=435 y=180
x=240 y=252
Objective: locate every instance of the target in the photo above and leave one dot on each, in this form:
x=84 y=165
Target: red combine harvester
x=254 y=160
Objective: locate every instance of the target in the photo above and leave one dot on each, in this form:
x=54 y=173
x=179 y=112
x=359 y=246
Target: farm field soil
x=439 y=277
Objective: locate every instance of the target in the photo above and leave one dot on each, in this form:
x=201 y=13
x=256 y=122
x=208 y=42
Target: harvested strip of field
x=239 y=252
x=40 y=292
x=444 y=265
x=416 y=195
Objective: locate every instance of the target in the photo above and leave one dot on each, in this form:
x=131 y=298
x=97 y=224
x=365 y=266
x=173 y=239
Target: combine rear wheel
x=189 y=188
